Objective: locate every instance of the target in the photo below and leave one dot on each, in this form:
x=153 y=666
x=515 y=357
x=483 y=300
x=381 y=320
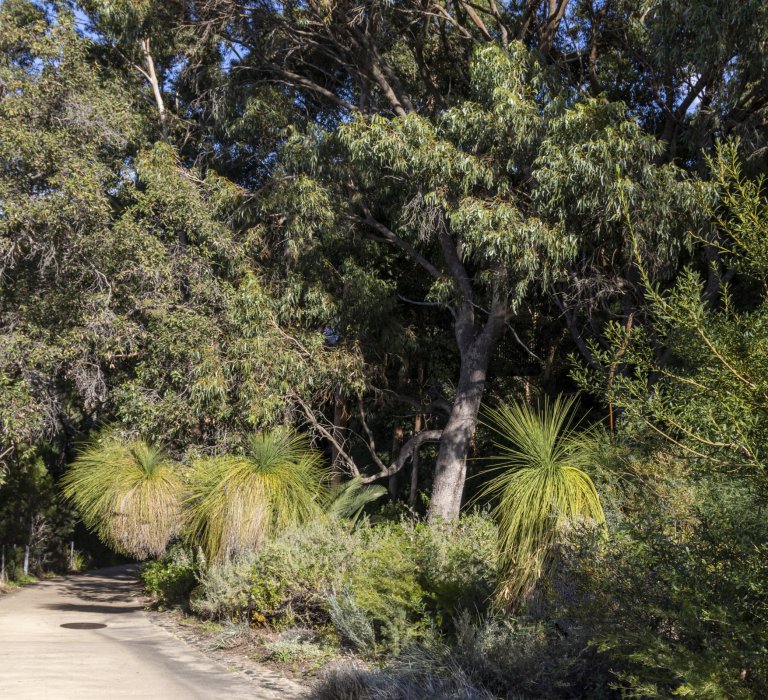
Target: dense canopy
x=227 y=221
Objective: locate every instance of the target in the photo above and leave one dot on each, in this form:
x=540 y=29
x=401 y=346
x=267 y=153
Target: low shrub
x=382 y=586
x=299 y=646
x=458 y=566
x=385 y=584
x=676 y=610
x=352 y=624
x=492 y=657
x=281 y=584
x=224 y=590
x=170 y=580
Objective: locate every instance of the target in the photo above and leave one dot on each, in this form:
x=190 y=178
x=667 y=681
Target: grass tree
x=541 y=488
x=347 y=501
x=237 y=501
x=130 y=494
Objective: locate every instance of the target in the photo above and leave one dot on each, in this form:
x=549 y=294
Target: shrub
x=282 y=583
x=493 y=657
x=381 y=586
x=170 y=580
x=224 y=590
x=677 y=610
x=458 y=566
x=299 y=646
x=352 y=624
x=385 y=585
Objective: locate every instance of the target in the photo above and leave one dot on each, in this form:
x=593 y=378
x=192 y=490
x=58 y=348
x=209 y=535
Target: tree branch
x=391 y=237
x=581 y=344
x=151 y=75
x=455 y=266
x=369 y=434
x=406 y=452
x=295 y=78
x=309 y=413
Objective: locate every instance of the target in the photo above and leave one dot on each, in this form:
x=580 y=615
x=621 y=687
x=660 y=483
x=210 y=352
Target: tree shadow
x=97 y=609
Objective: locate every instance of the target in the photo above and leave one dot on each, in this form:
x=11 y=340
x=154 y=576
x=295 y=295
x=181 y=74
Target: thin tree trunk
x=417 y=425
x=341 y=416
x=397 y=443
x=151 y=75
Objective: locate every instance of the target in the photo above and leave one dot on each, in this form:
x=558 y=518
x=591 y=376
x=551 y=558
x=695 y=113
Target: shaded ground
x=120 y=654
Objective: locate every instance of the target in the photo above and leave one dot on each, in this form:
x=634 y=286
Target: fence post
x=72 y=556
x=2 y=565
x=26 y=560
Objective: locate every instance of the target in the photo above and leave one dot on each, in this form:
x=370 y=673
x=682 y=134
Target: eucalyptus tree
x=133 y=291
x=690 y=72
x=487 y=200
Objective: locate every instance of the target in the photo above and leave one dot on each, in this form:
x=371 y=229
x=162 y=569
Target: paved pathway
x=126 y=656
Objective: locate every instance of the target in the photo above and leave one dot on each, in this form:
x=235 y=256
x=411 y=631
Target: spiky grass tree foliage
x=542 y=487
x=128 y=493
x=238 y=500
x=347 y=501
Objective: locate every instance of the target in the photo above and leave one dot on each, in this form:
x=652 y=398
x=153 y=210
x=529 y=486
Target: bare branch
x=296 y=79
x=391 y=237
x=317 y=425
x=406 y=452
x=151 y=75
x=369 y=434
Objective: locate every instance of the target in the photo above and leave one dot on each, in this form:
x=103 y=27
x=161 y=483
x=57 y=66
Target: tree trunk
x=451 y=467
x=397 y=443
x=154 y=82
x=415 y=464
x=341 y=416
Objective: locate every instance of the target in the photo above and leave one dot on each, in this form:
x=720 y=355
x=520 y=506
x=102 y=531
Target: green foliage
x=384 y=584
x=676 y=598
x=293 y=647
x=676 y=603
x=458 y=567
x=381 y=586
x=491 y=657
x=238 y=501
x=347 y=500
x=353 y=625
x=171 y=579
x=224 y=590
x=708 y=395
x=542 y=489
x=129 y=493
x=31 y=514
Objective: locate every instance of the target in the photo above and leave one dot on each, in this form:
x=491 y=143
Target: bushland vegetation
x=425 y=334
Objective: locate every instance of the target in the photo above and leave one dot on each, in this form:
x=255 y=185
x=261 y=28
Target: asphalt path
x=87 y=637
